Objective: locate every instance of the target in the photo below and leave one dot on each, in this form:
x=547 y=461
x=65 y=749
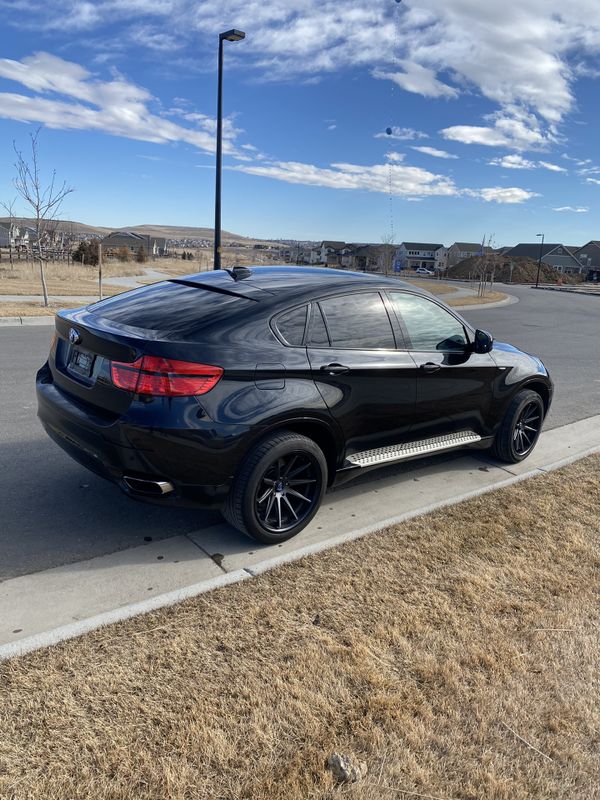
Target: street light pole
x=537 y=280
x=230 y=36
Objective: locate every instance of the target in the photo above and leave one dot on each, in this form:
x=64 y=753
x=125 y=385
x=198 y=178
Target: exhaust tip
x=148 y=486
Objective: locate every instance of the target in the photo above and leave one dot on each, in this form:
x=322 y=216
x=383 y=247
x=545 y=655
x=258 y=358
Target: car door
x=368 y=384
x=455 y=385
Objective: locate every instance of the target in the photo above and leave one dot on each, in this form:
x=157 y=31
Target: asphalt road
x=54 y=512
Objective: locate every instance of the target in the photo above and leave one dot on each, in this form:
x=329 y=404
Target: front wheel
x=521 y=427
x=278 y=489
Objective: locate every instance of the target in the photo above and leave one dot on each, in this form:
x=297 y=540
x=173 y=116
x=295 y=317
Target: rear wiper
x=209 y=287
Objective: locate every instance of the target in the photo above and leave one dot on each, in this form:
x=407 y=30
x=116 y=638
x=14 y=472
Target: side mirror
x=483 y=342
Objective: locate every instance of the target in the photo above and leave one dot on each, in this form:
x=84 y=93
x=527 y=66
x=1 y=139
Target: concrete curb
x=37 y=320
x=509 y=300
x=568 y=289
x=75 y=629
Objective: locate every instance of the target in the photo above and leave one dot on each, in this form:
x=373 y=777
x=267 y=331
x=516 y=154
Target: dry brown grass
x=435 y=287
x=28 y=309
x=490 y=297
x=61 y=278
x=426 y=650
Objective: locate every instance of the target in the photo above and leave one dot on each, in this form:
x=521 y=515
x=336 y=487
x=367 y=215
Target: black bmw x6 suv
x=253 y=390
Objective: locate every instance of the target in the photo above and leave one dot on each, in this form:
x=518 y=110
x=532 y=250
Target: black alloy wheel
x=527 y=429
x=521 y=427
x=278 y=489
x=286 y=493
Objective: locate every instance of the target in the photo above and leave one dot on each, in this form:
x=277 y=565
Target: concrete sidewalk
x=46 y=607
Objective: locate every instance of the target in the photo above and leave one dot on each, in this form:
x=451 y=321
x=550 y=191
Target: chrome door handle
x=430 y=367
x=335 y=369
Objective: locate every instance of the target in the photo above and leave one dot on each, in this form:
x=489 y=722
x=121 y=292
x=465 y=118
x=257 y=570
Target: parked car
x=254 y=390
x=424 y=271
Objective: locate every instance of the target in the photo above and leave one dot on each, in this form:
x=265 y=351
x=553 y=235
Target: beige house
x=153 y=245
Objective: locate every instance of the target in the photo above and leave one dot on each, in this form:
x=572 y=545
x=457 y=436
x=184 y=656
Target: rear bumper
x=200 y=464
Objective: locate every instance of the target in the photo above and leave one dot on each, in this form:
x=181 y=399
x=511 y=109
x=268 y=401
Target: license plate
x=81 y=362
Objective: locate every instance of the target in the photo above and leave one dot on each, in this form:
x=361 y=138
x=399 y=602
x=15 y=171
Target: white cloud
x=402 y=134
x=417 y=79
x=433 y=151
x=332 y=127
x=514 y=128
x=405 y=181
x=79 y=101
x=393 y=156
x=499 y=194
x=551 y=167
x=411 y=183
x=512 y=162
x=574 y=209
x=518 y=162
x=593 y=180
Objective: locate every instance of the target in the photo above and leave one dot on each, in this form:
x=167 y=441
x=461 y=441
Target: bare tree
x=388 y=251
x=10 y=210
x=44 y=201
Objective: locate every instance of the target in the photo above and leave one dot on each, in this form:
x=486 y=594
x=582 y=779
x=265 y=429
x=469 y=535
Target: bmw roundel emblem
x=74 y=337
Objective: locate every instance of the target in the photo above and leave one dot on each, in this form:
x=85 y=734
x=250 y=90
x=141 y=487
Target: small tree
x=123 y=254
x=141 y=257
x=87 y=253
x=44 y=201
x=10 y=210
x=388 y=250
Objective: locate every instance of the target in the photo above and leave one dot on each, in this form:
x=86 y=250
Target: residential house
x=329 y=253
x=459 y=251
x=589 y=258
x=556 y=255
x=152 y=245
x=412 y=255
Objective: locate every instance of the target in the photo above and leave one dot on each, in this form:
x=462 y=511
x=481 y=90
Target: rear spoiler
x=211 y=288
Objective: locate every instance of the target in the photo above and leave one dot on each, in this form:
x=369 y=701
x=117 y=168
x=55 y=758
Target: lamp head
x=232 y=36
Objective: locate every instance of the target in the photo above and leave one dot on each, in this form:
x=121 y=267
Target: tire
x=278 y=489
x=521 y=427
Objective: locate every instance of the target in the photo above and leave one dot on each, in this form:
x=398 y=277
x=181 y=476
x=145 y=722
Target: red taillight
x=164 y=376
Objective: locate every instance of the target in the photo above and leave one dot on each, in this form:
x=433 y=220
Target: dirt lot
x=455 y=654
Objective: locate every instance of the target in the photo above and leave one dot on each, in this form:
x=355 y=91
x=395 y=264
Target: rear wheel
x=278 y=489
x=521 y=427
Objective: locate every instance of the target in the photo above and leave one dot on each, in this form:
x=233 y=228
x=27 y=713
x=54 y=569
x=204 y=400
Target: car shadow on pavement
x=55 y=512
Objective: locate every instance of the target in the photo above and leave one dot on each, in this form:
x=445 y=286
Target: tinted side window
x=429 y=326
x=358 y=322
x=291 y=325
x=318 y=332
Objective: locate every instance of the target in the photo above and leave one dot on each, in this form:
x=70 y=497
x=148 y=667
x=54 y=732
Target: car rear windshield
x=169 y=308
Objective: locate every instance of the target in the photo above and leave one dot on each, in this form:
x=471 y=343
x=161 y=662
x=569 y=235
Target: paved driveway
x=54 y=512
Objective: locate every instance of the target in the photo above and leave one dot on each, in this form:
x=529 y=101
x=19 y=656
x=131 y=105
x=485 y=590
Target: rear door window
x=358 y=322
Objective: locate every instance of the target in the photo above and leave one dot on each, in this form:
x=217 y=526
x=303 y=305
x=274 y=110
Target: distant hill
x=166 y=231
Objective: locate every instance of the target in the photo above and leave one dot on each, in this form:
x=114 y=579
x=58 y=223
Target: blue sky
x=492 y=109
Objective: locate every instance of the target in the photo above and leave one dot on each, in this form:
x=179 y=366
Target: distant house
x=589 y=258
x=329 y=253
x=153 y=245
x=412 y=255
x=556 y=255
x=461 y=250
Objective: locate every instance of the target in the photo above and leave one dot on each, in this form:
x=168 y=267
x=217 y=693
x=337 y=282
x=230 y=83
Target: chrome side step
x=384 y=455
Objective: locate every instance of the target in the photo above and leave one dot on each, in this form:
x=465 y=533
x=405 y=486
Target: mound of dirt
x=513 y=270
